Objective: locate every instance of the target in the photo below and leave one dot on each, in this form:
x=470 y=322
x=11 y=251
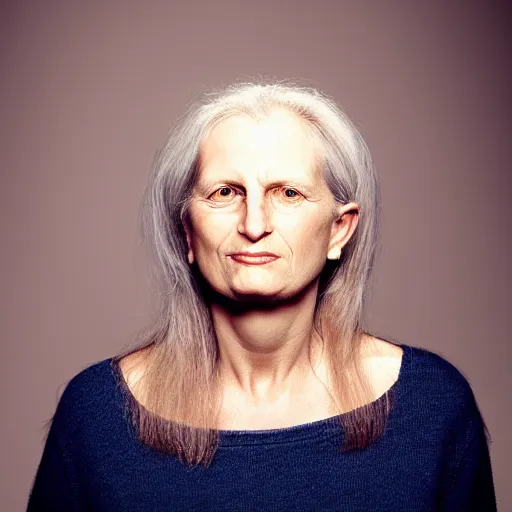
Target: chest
x=238 y=414
x=301 y=476
x=314 y=404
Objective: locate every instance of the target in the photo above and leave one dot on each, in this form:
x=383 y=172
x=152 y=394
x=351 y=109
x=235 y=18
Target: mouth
x=257 y=258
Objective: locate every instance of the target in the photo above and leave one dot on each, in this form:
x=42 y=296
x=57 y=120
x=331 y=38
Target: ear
x=188 y=231
x=343 y=227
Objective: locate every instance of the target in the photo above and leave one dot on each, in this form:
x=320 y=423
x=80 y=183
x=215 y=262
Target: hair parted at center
x=178 y=393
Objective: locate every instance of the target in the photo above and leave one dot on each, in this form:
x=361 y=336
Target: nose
x=255 y=222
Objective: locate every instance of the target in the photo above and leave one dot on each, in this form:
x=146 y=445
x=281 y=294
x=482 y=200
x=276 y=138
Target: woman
x=257 y=387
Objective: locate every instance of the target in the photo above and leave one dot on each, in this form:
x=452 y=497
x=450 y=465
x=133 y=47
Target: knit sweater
x=433 y=455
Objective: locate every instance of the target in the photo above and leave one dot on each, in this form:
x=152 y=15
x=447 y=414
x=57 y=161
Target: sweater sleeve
x=468 y=483
x=54 y=487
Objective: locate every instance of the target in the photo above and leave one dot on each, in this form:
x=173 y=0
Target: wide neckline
x=297 y=433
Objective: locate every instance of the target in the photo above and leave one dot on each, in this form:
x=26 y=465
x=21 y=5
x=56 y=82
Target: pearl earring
x=334 y=254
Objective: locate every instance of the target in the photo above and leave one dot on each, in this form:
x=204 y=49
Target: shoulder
x=89 y=381
x=438 y=372
x=85 y=394
x=428 y=378
x=427 y=367
x=439 y=388
x=383 y=361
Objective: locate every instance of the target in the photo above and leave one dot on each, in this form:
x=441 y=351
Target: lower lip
x=252 y=260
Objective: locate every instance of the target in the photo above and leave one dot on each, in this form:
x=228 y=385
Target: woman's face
x=259 y=189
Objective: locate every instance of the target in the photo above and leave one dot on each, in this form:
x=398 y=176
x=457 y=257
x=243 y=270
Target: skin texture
x=260 y=189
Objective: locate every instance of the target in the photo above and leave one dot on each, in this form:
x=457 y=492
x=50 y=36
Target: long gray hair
x=174 y=402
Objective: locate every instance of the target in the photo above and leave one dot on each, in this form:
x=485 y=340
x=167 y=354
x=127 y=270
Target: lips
x=253 y=258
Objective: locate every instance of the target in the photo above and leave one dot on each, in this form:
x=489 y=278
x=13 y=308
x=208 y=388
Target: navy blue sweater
x=433 y=455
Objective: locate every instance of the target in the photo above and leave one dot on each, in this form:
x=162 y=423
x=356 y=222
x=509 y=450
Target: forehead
x=280 y=144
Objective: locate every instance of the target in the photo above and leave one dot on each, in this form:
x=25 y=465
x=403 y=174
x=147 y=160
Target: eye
x=290 y=193
x=224 y=192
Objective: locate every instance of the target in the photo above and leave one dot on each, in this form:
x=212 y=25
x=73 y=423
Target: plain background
x=88 y=92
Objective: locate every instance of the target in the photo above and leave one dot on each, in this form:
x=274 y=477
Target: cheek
x=210 y=231
x=309 y=235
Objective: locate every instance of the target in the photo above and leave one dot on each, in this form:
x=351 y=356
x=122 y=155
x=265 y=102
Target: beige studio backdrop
x=88 y=92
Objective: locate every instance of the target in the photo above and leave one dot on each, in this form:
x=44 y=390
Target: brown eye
x=224 y=192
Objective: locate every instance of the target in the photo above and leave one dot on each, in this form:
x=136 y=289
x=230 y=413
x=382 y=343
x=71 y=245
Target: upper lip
x=255 y=254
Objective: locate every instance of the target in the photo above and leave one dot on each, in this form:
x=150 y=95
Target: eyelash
x=234 y=189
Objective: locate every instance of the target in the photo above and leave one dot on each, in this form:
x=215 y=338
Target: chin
x=269 y=294
x=255 y=292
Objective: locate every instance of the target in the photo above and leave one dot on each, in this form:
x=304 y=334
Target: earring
x=334 y=254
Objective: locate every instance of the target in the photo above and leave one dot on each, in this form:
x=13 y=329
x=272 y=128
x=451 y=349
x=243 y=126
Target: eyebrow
x=204 y=186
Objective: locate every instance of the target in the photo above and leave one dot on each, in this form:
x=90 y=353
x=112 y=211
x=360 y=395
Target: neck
x=265 y=347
